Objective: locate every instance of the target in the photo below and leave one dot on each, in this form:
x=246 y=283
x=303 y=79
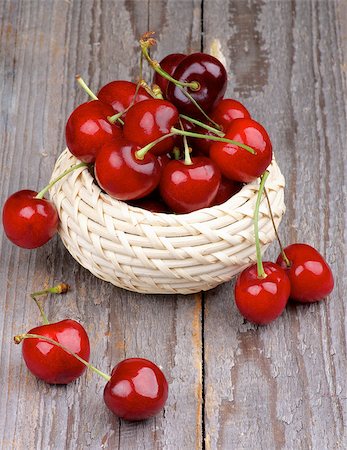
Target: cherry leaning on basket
x=30 y=220
x=44 y=359
x=310 y=276
x=262 y=290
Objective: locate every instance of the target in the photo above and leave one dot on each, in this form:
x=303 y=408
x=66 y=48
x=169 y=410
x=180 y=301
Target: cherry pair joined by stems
x=261 y=290
x=58 y=353
x=30 y=220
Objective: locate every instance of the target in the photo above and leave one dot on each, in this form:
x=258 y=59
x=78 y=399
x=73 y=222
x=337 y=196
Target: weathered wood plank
x=282 y=386
x=43 y=45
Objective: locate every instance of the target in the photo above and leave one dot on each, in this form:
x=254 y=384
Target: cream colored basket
x=161 y=253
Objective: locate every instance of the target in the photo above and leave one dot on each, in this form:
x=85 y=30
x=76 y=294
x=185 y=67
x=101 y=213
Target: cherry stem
x=83 y=84
x=284 y=256
x=157 y=92
x=42 y=193
x=60 y=288
x=212 y=138
x=140 y=154
x=187 y=158
x=147 y=41
x=20 y=337
x=203 y=125
x=194 y=85
x=176 y=153
x=260 y=268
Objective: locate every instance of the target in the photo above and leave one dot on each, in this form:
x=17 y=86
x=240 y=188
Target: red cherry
x=202 y=145
x=168 y=64
x=227 y=189
x=186 y=188
x=29 y=222
x=151 y=204
x=262 y=300
x=149 y=120
x=49 y=362
x=119 y=94
x=211 y=76
x=122 y=175
x=310 y=276
x=137 y=389
x=235 y=162
x=87 y=129
x=228 y=110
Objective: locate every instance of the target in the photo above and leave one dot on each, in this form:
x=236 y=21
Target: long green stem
x=42 y=193
x=212 y=138
x=19 y=338
x=284 y=256
x=60 y=288
x=260 y=268
x=84 y=86
x=194 y=85
x=140 y=154
x=44 y=318
x=203 y=125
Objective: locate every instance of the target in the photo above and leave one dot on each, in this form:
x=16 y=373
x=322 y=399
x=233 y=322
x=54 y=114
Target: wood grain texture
x=276 y=387
x=283 y=386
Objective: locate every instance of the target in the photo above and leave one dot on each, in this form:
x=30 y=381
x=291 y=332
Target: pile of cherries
x=177 y=146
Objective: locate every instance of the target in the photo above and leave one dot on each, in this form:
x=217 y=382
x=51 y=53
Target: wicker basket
x=155 y=252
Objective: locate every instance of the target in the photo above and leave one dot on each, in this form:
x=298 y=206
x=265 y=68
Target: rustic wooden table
x=232 y=385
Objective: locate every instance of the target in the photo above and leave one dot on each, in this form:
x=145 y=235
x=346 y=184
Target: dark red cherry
x=87 y=129
x=262 y=300
x=137 y=389
x=211 y=76
x=227 y=189
x=151 y=204
x=202 y=145
x=51 y=363
x=186 y=188
x=149 y=120
x=168 y=64
x=228 y=110
x=119 y=94
x=29 y=222
x=122 y=175
x=310 y=276
x=235 y=162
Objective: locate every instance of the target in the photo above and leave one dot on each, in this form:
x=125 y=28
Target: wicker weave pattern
x=161 y=253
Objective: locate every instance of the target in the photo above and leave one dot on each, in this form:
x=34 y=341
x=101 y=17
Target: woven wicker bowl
x=161 y=253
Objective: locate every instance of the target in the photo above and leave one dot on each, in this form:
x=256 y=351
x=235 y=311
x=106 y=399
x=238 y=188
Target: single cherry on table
x=310 y=276
x=45 y=359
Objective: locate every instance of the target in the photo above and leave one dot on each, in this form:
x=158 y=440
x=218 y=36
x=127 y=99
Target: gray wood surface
x=232 y=385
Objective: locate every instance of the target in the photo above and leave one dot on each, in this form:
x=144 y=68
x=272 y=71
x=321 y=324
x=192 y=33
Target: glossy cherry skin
x=211 y=76
x=262 y=300
x=237 y=163
x=227 y=189
x=310 y=276
x=51 y=363
x=186 y=188
x=87 y=129
x=168 y=64
x=149 y=120
x=122 y=175
x=29 y=222
x=137 y=389
x=120 y=93
x=228 y=110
